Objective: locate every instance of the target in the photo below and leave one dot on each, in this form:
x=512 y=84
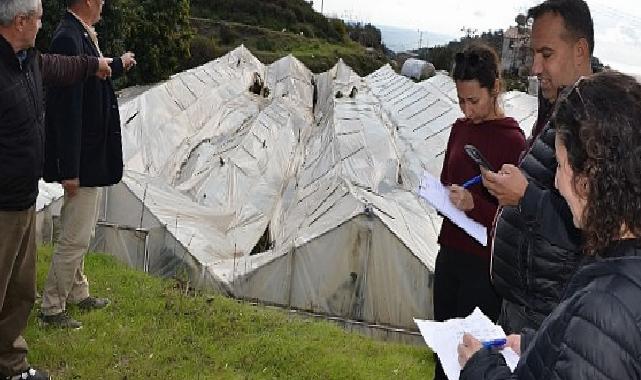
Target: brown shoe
x=93 y=303
x=61 y=320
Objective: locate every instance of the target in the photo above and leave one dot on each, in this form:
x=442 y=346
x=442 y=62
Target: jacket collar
x=621 y=258
x=9 y=56
x=72 y=20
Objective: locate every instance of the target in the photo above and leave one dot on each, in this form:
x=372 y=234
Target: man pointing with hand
x=83 y=152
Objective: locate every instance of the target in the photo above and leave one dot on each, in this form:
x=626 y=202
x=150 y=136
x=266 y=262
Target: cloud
x=630 y=33
x=617 y=22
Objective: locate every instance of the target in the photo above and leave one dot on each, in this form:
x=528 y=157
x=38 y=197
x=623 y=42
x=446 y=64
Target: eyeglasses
x=573 y=95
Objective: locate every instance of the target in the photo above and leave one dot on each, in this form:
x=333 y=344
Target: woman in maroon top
x=462 y=279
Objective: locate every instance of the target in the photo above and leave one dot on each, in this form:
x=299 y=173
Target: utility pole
x=322 y=5
x=420 y=40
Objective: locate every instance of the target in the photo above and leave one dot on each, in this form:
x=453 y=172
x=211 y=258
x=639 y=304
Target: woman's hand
x=468 y=347
x=514 y=342
x=461 y=198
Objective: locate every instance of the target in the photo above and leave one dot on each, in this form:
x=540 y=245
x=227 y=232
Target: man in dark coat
x=22 y=73
x=536 y=247
x=83 y=152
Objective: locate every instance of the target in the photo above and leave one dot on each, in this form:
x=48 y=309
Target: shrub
x=202 y=49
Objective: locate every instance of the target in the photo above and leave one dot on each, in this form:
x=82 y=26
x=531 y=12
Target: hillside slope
x=319 y=55
x=272 y=29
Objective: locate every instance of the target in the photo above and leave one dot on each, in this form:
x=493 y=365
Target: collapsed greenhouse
x=271 y=183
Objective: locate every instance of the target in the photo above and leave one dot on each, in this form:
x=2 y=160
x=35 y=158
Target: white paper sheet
x=433 y=191
x=444 y=338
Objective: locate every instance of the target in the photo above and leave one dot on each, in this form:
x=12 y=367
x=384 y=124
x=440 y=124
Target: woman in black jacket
x=595 y=333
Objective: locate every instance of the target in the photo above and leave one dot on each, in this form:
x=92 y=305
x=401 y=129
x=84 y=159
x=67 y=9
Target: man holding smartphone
x=536 y=247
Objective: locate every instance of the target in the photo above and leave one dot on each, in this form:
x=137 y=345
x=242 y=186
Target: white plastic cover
x=213 y=169
x=417 y=69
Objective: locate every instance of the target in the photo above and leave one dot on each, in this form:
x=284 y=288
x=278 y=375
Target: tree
x=158 y=31
x=521 y=20
x=160 y=38
x=442 y=57
x=340 y=28
x=365 y=34
x=202 y=49
x=52 y=12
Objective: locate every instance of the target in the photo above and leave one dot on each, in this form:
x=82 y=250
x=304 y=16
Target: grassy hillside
x=317 y=54
x=154 y=331
x=271 y=29
x=293 y=15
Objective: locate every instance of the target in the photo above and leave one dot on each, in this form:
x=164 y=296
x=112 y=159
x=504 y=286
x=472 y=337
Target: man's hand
x=128 y=60
x=508 y=185
x=104 y=70
x=71 y=186
x=461 y=198
x=467 y=348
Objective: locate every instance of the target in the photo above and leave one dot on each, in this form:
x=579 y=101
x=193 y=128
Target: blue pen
x=472 y=181
x=494 y=343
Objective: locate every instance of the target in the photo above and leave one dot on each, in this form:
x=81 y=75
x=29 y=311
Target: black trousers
x=462 y=283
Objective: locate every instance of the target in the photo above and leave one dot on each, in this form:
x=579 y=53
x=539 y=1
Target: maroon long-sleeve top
x=500 y=141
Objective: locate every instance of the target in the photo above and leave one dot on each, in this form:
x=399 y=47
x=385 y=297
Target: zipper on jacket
x=31 y=94
x=38 y=116
x=526 y=264
x=495 y=223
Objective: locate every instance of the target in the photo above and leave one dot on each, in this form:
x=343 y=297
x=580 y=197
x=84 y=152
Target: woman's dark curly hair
x=599 y=122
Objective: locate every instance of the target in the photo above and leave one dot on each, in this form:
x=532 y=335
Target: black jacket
x=22 y=116
x=595 y=333
x=83 y=122
x=536 y=247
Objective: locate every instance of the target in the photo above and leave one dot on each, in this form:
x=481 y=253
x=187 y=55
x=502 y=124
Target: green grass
x=153 y=331
x=318 y=55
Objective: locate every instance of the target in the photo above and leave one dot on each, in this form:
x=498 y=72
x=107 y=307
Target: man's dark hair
x=576 y=16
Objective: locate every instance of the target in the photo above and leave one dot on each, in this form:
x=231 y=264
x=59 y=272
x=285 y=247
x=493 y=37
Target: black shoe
x=93 y=303
x=61 y=320
x=30 y=374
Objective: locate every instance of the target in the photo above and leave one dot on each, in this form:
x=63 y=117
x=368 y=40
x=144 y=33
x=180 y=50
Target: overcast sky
x=617 y=22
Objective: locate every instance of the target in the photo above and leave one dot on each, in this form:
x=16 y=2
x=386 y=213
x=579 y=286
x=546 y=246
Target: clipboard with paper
x=437 y=195
x=444 y=337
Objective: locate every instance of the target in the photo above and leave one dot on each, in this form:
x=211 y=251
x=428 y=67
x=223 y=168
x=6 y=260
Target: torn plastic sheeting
x=233 y=166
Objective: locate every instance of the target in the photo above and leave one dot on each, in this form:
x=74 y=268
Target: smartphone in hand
x=477 y=157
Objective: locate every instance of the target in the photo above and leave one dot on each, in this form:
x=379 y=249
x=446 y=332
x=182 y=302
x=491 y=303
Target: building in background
x=516 y=56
